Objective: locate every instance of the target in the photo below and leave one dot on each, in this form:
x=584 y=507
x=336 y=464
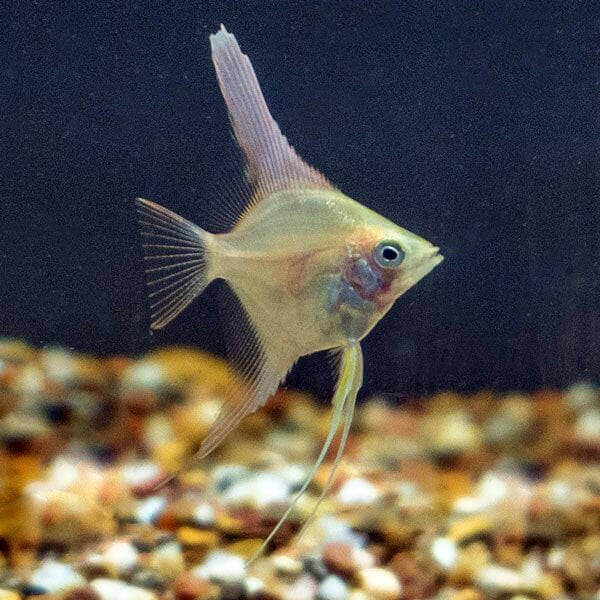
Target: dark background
x=473 y=124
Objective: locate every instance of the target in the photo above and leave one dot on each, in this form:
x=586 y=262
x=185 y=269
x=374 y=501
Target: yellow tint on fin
x=347 y=417
x=272 y=164
x=348 y=384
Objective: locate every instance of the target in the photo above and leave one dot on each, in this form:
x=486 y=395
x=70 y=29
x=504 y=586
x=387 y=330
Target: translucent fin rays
x=174 y=250
x=272 y=163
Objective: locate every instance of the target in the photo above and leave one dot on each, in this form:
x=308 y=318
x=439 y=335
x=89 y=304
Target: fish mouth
x=432 y=252
x=428 y=259
x=435 y=256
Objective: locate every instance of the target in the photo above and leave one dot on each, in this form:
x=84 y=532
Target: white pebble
x=561 y=493
x=494 y=578
x=120 y=557
x=144 y=375
x=357 y=491
x=158 y=430
x=222 y=566
x=362 y=559
x=468 y=505
x=31 y=382
x=139 y=472
x=204 y=515
x=333 y=588
x=331 y=529
x=304 y=588
x=55 y=577
x=62 y=474
x=556 y=558
x=408 y=492
x=258 y=491
x=451 y=433
x=445 y=552
x=228 y=474
x=253 y=586
x=149 y=510
x=111 y=589
x=286 y=565
x=582 y=395
x=294 y=474
x=587 y=428
x=492 y=487
x=59 y=365
x=379 y=584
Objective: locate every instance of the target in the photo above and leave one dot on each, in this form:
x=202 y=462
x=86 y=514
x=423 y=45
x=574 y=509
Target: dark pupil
x=389 y=253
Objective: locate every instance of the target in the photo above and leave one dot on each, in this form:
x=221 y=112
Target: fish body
x=311 y=268
x=304 y=260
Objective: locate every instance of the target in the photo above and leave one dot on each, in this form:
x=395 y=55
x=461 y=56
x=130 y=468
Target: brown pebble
x=396 y=533
x=82 y=593
x=453 y=484
x=170 y=455
x=338 y=558
x=149 y=486
x=510 y=553
x=190 y=587
x=418 y=577
x=16 y=351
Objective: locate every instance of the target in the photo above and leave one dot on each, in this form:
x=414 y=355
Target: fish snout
x=431 y=256
x=432 y=252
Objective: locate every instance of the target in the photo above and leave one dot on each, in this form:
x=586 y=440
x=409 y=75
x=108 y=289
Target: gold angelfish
x=313 y=269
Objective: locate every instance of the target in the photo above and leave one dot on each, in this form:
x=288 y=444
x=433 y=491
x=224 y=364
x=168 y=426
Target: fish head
x=397 y=259
x=381 y=262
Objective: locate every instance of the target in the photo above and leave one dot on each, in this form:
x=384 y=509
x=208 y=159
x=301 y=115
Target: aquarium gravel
x=453 y=496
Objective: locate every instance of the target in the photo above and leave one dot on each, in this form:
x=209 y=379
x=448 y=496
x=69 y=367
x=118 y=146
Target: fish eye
x=388 y=254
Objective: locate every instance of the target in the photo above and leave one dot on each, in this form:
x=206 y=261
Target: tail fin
x=175 y=251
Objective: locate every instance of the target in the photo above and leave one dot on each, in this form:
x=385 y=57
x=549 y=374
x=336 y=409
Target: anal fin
x=262 y=360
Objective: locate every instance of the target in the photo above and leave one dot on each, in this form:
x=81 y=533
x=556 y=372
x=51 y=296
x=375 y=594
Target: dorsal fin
x=272 y=164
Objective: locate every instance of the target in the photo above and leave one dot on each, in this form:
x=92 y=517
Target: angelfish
x=312 y=268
